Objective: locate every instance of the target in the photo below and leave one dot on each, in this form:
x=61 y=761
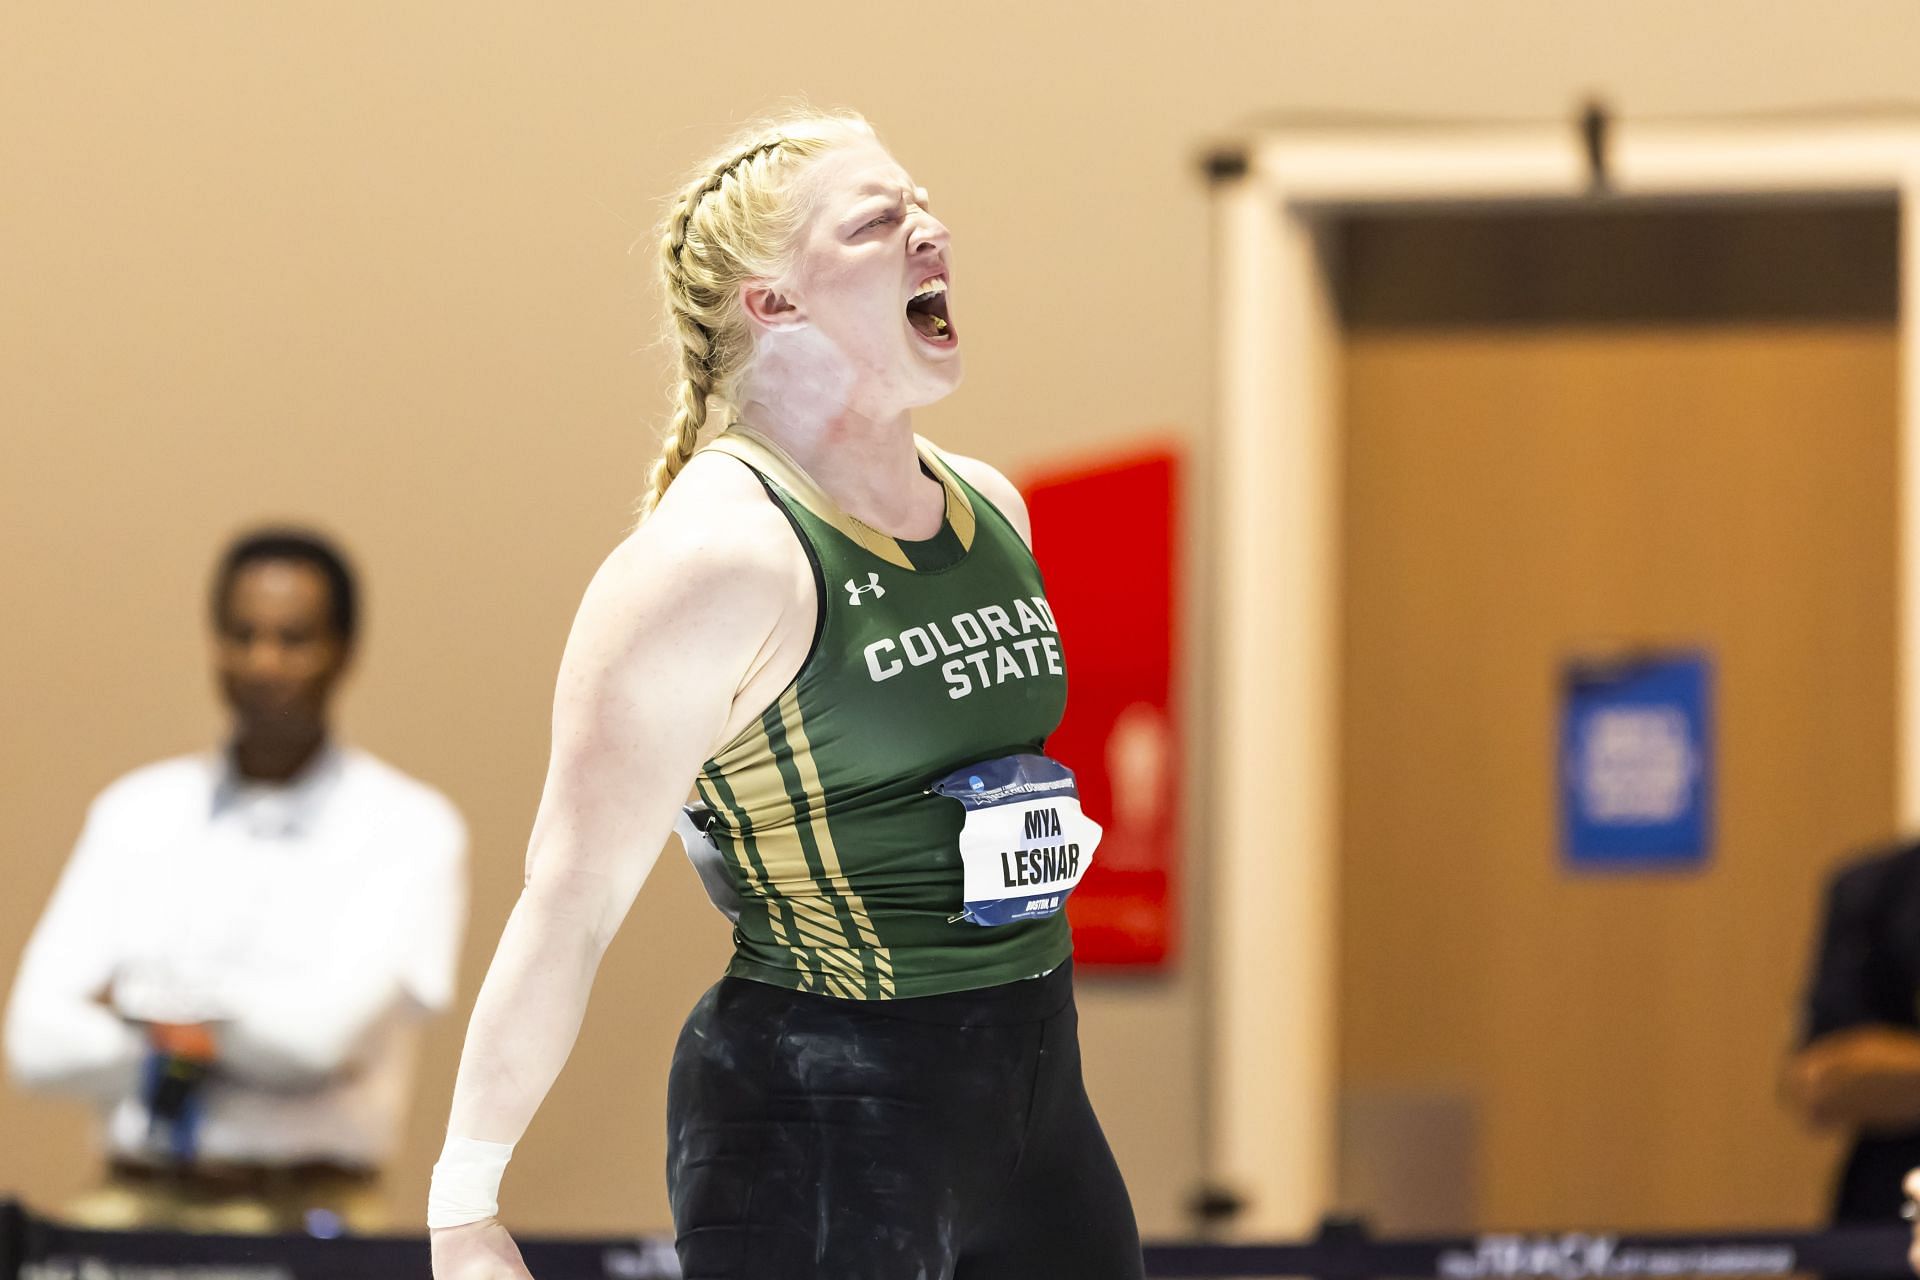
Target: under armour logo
x=873 y=586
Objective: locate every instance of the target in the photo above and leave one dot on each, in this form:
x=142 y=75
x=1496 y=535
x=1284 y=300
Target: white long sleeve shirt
x=313 y=923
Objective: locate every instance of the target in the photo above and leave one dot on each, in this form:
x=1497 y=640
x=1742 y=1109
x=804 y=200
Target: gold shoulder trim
x=768 y=458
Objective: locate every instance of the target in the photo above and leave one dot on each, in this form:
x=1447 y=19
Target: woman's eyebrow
x=878 y=188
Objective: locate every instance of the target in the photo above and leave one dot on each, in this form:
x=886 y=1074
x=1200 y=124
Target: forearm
x=1868 y=1079
x=296 y=1036
x=71 y=1045
x=1879 y=1099
x=528 y=1013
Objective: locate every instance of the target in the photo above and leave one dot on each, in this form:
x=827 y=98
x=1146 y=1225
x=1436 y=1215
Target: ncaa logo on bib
x=872 y=588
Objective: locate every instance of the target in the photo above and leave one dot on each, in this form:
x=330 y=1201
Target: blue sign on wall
x=1636 y=762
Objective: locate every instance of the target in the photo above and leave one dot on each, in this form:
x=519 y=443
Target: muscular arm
x=668 y=640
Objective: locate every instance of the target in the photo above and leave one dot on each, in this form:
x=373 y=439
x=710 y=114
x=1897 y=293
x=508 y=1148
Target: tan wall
x=367 y=264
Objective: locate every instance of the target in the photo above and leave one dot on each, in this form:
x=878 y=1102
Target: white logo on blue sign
x=1636 y=761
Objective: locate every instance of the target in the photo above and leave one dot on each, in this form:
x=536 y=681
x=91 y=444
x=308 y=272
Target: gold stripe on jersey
x=836 y=884
x=813 y=936
x=759 y=800
x=802 y=912
x=762 y=804
x=820 y=896
x=840 y=967
x=818 y=963
x=768 y=458
x=721 y=800
x=824 y=923
x=787 y=937
x=827 y=934
x=959 y=514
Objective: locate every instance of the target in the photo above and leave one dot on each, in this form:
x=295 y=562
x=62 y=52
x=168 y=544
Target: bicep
x=655 y=659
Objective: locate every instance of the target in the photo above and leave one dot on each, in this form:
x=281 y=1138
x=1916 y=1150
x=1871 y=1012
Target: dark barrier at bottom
x=35 y=1249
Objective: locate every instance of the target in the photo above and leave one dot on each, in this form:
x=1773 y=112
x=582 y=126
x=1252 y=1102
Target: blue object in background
x=1636 y=763
x=325 y=1224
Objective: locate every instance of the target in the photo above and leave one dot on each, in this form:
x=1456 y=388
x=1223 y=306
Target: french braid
x=734 y=223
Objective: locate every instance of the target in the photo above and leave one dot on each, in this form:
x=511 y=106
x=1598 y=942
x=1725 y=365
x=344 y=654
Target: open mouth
x=927 y=312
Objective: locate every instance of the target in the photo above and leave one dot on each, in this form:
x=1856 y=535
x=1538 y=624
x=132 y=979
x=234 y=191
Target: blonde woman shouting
x=836 y=634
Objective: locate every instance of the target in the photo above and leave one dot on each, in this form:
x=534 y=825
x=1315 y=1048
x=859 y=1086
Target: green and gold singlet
x=928 y=656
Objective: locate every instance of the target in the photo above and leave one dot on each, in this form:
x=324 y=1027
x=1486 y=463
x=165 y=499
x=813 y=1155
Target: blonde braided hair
x=739 y=220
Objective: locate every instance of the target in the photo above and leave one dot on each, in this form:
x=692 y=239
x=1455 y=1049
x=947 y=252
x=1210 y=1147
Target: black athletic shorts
x=940 y=1138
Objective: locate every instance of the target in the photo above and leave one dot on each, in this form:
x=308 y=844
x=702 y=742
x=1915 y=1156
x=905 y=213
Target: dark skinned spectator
x=238 y=958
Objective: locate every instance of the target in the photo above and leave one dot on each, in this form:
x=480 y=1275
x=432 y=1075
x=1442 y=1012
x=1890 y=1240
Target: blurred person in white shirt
x=238 y=957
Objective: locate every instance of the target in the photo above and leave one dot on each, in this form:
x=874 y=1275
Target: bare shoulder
x=995 y=488
x=717 y=508
x=715 y=551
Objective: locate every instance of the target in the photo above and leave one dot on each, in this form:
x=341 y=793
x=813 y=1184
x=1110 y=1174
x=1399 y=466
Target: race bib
x=1025 y=843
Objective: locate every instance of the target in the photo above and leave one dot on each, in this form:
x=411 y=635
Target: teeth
x=935 y=285
x=939 y=325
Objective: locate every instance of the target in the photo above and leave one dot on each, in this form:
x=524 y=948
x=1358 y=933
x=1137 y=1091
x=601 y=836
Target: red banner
x=1104 y=533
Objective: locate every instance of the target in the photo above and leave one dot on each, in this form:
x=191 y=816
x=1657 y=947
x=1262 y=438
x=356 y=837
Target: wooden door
x=1568 y=433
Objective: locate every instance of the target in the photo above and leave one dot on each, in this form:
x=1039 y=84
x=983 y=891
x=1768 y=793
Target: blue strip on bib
x=1006 y=780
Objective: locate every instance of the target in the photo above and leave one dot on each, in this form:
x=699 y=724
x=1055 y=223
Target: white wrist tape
x=466 y=1182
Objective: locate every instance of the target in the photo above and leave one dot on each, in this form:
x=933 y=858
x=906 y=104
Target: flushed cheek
x=871 y=331
x=829 y=276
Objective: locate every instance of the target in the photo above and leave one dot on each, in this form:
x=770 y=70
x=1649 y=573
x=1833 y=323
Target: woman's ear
x=770 y=307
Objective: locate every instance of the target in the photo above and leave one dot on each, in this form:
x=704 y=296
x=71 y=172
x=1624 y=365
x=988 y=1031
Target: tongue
x=928 y=324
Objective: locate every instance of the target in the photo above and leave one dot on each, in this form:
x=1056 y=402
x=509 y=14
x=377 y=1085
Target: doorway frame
x=1272 y=467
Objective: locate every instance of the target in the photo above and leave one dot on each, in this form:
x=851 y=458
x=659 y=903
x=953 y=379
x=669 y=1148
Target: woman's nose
x=928 y=233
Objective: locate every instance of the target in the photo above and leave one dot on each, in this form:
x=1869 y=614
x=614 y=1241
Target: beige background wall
x=368 y=264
